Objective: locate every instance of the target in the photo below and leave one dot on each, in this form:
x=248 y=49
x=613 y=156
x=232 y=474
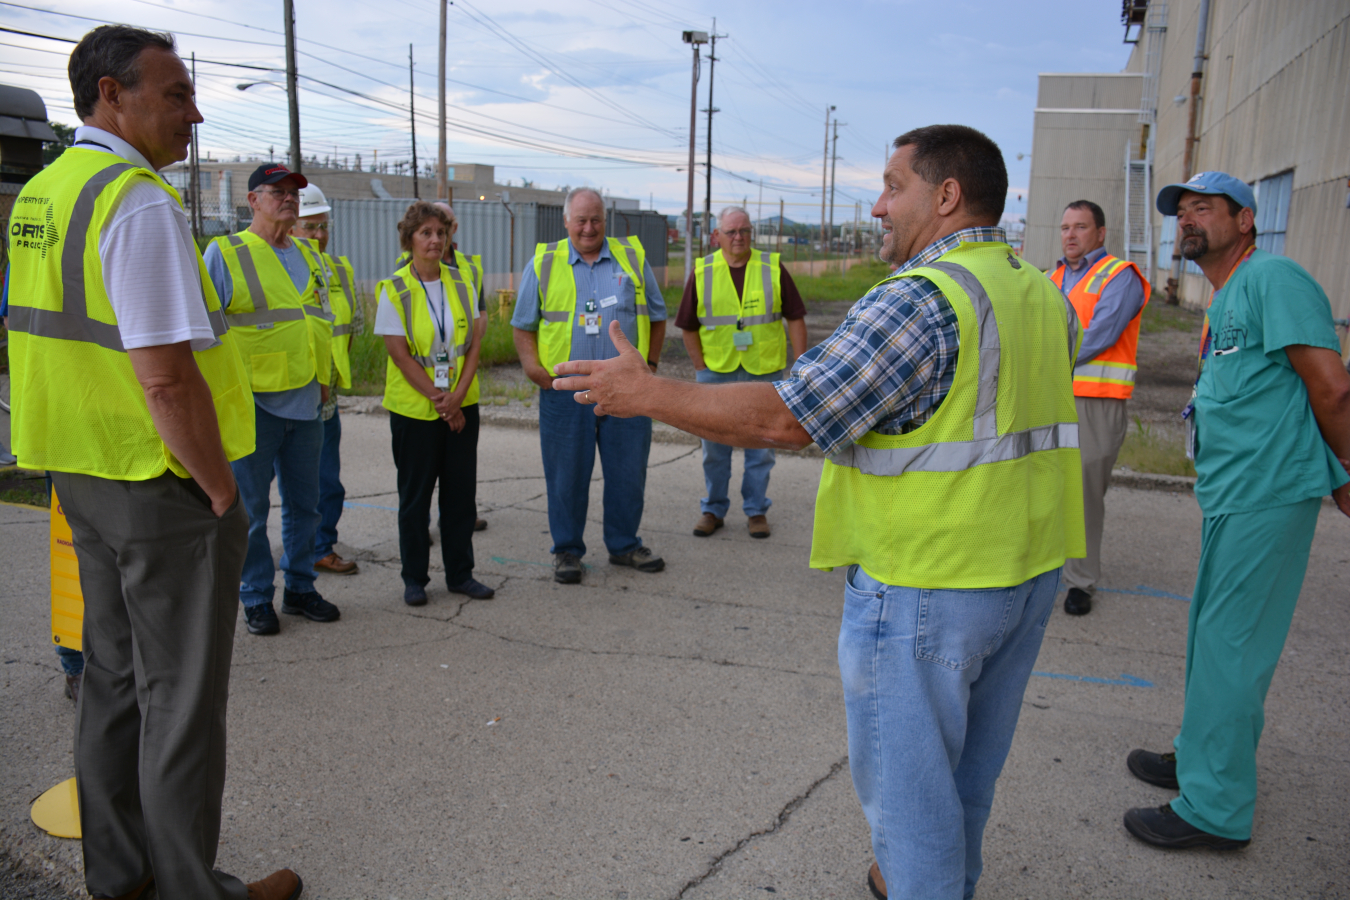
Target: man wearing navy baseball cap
x=1269 y=429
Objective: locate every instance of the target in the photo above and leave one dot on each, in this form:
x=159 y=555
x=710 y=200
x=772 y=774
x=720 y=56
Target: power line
x=52 y=12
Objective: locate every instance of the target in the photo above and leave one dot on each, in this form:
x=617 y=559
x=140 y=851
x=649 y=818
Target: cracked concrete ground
x=682 y=734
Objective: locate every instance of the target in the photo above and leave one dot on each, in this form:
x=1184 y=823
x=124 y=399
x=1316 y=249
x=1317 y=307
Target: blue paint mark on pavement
x=1126 y=680
x=1145 y=591
x=349 y=505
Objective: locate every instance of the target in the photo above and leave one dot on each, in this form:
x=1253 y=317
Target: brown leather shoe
x=336 y=565
x=282 y=884
x=759 y=527
x=707 y=524
x=875 y=883
x=480 y=524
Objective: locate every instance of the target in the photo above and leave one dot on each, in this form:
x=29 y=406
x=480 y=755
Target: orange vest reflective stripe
x=1111 y=374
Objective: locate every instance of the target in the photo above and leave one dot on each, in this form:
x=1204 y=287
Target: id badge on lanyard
x=440 y=356
x=441 y=370
x=590 y=318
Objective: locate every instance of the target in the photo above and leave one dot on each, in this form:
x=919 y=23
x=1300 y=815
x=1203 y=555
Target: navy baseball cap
x=271 y=173
x=1207 y=183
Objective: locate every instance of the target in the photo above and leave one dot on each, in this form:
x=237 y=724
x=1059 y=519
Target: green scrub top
x=1258 y=444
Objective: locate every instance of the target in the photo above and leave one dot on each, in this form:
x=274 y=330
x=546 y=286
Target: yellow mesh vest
x=758 y=311
x=77 y=406
x=405 y=291
x=988 y=492
x=342 y=299
x=558 y=297
x=267 y=315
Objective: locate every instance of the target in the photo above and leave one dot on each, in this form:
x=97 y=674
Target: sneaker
x=474 y=589
x=642 y=559
x=414 y=595
x=707 y=524
x=261 y=619
x=336 y=565
x=1162 y=827
x=1077 y=602
x=310 y=605
x=567 y=568
x=1155 y=768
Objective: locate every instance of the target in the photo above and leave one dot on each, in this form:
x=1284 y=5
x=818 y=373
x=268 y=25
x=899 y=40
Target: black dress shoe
x=414 y=595
x=310 y=605
x=1077 y=602
x=1162 y=827
x=1156 y=768
x=475 y=589
x=261 y=619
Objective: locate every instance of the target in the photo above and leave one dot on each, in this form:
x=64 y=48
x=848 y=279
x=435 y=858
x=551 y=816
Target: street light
x=694 y=38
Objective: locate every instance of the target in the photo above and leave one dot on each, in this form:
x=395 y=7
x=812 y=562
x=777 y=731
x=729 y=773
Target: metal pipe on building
x=1188 y=158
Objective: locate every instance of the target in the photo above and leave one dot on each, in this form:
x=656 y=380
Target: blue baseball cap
x=1207 y=183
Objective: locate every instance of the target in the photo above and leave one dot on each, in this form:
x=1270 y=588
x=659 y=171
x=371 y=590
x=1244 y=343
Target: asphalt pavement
x=682 y=734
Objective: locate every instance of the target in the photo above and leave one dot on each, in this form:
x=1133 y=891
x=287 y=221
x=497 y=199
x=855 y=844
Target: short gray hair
x=567 y=201
x=109 y=51
x=449 y=210
x=733 y=209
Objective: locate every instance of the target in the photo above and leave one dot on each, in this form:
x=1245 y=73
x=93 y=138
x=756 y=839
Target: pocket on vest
x=270 y=371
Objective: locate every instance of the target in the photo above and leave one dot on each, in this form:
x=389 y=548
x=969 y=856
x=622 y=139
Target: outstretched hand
x=615 y=387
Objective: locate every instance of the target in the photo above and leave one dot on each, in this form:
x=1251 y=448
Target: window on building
x=1166 y=242
x=1272 y=211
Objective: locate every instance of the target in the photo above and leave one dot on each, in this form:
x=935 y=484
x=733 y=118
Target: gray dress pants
x=1101 y=430
x=160 y=575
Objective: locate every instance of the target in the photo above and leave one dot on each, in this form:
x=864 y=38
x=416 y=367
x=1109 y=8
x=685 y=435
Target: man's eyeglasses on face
x=291 y=194
x=313 y=226
x=738 y=232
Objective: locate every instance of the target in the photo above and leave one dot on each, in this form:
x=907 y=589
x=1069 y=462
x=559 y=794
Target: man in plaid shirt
x=953 y=495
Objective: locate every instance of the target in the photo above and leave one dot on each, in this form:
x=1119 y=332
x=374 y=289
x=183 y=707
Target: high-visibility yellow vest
x=342 y=299
x=1111 y=374
x=558 y=297
x=404 y=289
x=77 y=406
x=988 y=492
x=281 y=347
x=471 y=266
x=758 y=312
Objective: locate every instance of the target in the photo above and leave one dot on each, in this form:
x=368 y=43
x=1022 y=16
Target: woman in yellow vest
x=426 y=315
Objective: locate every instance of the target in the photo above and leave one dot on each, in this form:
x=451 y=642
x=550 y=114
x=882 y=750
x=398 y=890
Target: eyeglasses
x=738 y=232
x=313 y=226
x=292 y=194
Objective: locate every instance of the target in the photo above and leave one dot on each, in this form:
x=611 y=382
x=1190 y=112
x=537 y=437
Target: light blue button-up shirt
x=1119 y=303
x=596 y=281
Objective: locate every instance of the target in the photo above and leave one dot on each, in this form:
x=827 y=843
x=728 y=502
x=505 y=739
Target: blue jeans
x=717 y=460
x=569 y=433
x=331 y=491
x=288 y=449
x=933 y=684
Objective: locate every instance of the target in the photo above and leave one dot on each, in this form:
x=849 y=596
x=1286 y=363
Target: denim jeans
x=569 y=434
x=288 y=449
x=717 y=459
x=933 y=684
x=331 y=491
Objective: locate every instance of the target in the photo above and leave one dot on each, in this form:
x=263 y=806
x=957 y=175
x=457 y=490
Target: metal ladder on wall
x=1138 y=230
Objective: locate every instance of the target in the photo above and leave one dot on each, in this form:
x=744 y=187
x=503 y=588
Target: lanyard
x=439 y=320
x=1205 y=336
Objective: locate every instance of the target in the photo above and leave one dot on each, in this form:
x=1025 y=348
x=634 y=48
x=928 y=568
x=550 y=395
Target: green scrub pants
x=1251 y=570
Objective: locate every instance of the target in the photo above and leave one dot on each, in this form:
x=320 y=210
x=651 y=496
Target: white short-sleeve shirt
x=388 y=321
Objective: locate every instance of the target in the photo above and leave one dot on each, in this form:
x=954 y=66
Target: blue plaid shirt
x=889 y=366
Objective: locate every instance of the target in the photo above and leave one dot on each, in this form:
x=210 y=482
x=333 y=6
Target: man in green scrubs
x=1271 y=436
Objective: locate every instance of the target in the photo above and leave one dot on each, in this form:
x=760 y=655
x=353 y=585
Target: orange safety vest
x=1112 y=373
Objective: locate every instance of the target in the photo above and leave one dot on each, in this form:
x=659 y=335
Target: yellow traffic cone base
x=57 y=811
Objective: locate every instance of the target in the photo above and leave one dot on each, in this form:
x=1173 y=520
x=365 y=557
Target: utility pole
x=834 y=159
x=824 y=177
x=779 y=248
x=694 y=38
x=442 y=182
x=412 y=120
x=759 y=212
x=707 y=196
x=292 y=90
x=194 y=171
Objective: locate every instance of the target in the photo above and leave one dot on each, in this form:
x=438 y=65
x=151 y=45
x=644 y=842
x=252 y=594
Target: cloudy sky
x=597 y=91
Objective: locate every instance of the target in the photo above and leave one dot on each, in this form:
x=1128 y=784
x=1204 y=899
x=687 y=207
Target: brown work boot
x=336 y=565
x=707 y=524
x=759 y=527
x=875 y=883
x=280 y=885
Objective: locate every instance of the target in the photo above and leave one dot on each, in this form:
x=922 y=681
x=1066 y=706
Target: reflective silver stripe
x=1111 y=371
x=339 y=330
x=318 y=313
x=250 y=270
x=73 y=297
x=64 y=326
x=219 y=324
x=642 y=310
x=345 y=282
x=762 y=320
x=986 y=399
x=1072 y=315
x=267 y=316
x=957 y=456
x=462 y=288
x=546 y=272
x=631 y=252
x=712 y=321
x=549 y=315
x=767 y=274
x=1108 y=268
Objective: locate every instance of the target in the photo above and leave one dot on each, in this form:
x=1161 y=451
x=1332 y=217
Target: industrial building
x=1256 y=88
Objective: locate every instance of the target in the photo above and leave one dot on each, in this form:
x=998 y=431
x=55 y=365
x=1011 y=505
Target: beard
x=1194 y=244
x=890 y=244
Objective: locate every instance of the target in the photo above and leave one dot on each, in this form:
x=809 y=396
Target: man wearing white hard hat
x=348 y=320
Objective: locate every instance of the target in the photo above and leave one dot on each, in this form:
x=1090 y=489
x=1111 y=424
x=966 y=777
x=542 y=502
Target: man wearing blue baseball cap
x=1270 y=434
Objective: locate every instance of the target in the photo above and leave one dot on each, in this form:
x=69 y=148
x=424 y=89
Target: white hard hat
x=312 y=201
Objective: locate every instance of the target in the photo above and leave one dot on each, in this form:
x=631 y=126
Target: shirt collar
x=573 y=257
x=114 y=143
x=982 y=233
x=1086 y=260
